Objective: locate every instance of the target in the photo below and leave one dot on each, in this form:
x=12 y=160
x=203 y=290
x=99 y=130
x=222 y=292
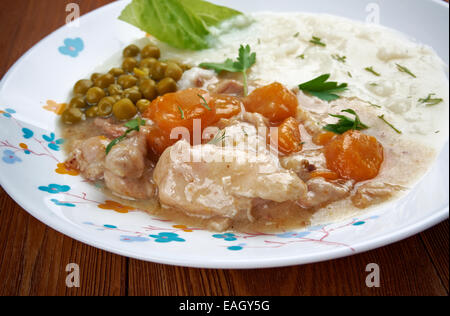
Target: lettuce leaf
x=179 y=23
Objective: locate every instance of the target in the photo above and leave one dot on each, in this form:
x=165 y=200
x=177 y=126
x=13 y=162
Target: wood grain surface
x=33 y=256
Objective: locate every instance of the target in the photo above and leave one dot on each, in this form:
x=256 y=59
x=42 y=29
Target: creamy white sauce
x=279 y=40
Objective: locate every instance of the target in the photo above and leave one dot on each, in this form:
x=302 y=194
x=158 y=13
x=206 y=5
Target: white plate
x=29 y=154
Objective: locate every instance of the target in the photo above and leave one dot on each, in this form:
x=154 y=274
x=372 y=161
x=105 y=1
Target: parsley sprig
x=430 y=101
x=244 y=62
x=345 y=123
x=133 y=125
x=317 y=41
x=319 y=87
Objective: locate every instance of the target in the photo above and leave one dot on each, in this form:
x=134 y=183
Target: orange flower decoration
x=114 y=206
x=57 y=108
x=62 y=169
x=183 y=227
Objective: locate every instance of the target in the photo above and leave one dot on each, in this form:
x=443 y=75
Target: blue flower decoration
x=227 y=236
x=72 y=47
x=62 y=203
x=237 y=247
x=53 y=143
x=131 y=239
x=110 y=226
x=293 y=235
x=359 y=223
x=8 y=113
x=55 y=188
x=27 y=133
x=167 y=237
x=10 y=157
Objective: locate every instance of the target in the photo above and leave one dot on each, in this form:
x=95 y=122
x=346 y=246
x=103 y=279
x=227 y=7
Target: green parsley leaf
x=245 y=61
x=323 y=90
x=345 y=123
x=406 y=70
x=133 y=125
x=430 y=101
x=371 y=70
x=381 y=117
x=317 y=41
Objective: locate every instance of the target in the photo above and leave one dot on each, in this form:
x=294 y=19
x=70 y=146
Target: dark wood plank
x=405 y=270
x=436 y=242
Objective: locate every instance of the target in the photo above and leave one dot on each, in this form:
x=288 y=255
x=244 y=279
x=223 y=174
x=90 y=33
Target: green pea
x=148 y=89
x=148 y=63
x=167 y=85
x=151 y=51
x=72 y=116
x=158 y=71
x=129 y=64
x=127 y=81
x=105 y=106
x=115 y=89
x=95 y=76
x=133 y=94
x=124 y=110
x=173 y=71
x=78 y=102
x=143 y=105
x=116 y=72
x=104 y=81
x=82 y=86
x=94 y=95
x=92 y=111
x=131 y=51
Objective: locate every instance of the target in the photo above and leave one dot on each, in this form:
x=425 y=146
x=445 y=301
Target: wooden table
x=33 y=256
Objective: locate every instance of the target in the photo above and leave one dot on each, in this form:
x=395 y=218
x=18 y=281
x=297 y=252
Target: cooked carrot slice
x=354 y=155
x=274 y=101
x=226 y=106
x=322 y=139
x=327 y=175
x=288 y=140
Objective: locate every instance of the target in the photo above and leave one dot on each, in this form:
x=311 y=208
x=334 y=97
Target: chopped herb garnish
x=371 y=70
x=133 y=125
x=244 y=62
x=204 y=103
x=181 y=112
x=326 y=91
x=317 y=41
x=220 y=136
x=342 y=59
x=302 y=56
x=381 y=117
x=430 y=101
x=374 y=105
x=373 y=84
x=297 y=34
x=406 y=70
x=349 y=74
x=345 y=123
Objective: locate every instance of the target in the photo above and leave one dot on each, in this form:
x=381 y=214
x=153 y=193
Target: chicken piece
x=322 y=192
x=128 y=158
x=197 y=77
x=89 y=157
x=305 y=162
x=223 y=183
x=108 y=128
x=141 y=188
x=372 y=193
x=230 y=87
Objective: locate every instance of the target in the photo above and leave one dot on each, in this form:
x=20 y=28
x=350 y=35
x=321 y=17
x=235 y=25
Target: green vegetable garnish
x=317 y=41
x=345 y=123
x=342 y=59
x=205 y=104
x=406 y=70
x=181 y=112
x=381 y=117
x=326 y=91
x=181 y=23
x=302 y=56
x=245 y=61
x=371 y=70
x=220 y=136
x=133 y=125
x=430 y=101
